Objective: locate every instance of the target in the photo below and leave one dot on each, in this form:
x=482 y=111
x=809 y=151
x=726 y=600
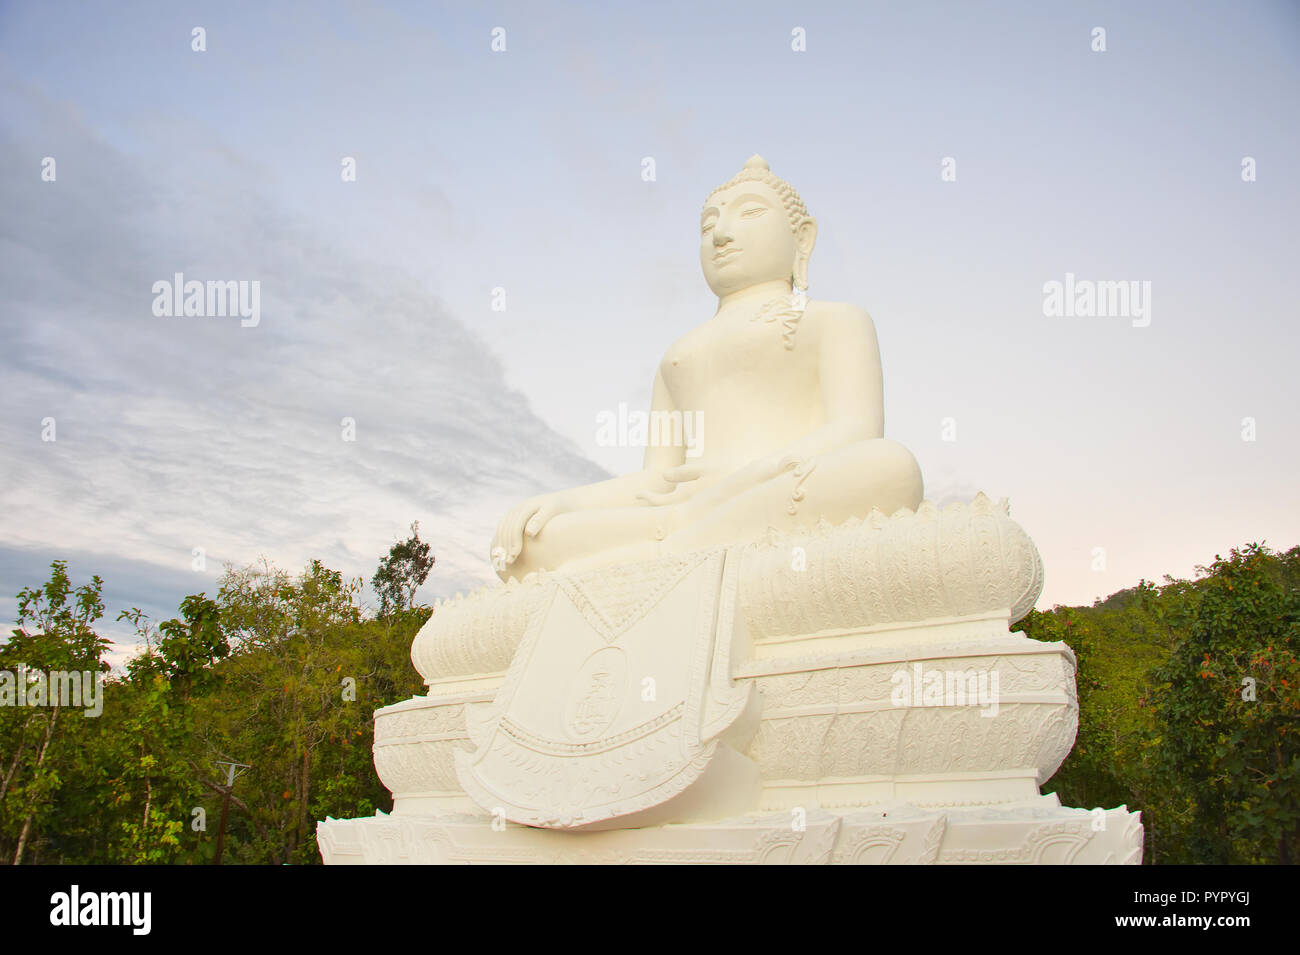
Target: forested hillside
x=1189 y=711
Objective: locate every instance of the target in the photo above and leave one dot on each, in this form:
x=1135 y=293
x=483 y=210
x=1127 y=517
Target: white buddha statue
x=790 y=394
x=676 y=690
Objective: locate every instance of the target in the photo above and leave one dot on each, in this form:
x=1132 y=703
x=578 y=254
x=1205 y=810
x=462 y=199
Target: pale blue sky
x=522 y=170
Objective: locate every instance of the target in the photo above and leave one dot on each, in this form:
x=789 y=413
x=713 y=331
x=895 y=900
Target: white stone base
x=864 y=677
x=1036 y=832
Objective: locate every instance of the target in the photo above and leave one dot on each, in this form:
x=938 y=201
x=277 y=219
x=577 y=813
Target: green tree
x=152 y=787
x=281 y=672
x=286 y=676
x=401 y=573
x=38 y=743
x=1228 y=712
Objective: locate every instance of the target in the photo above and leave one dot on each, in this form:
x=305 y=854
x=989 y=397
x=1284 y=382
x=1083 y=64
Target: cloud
x=181 y=433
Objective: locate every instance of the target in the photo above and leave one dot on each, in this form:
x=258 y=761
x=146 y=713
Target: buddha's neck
x=753 y=295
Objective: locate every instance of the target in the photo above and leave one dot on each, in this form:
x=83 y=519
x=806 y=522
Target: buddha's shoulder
x=838 y=315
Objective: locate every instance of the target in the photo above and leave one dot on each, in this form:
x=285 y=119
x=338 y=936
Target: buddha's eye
x=707 y=227
x=753 y=213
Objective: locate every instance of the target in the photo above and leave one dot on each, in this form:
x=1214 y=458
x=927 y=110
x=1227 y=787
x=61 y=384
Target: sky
x=958 y=157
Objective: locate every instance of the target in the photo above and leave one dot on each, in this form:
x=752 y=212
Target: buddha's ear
x=805 y=237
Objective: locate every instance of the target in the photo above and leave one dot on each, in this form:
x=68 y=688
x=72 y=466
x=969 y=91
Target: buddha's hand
x=688 y=479
x=756 y=472
x=767 y=468
x=709 y=487
x=527 y=519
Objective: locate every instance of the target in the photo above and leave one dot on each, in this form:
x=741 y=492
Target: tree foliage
x=1188 y=711
x=401 y=573
x=39 y=745
x=281 y=673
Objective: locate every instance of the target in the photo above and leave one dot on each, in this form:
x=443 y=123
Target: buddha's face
x=745 y=238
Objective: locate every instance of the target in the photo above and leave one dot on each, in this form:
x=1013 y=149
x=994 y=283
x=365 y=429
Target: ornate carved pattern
x=1056 y=843
x=919 y=740
x=1039 y=835
x=933 y=839
x=425 y=721
x=419 y=766
x=479 y=633
x=838 y=721
x=801 y=473
x=557 y=747
x=612 y=599
x=558 y=783
x=966 y=560
x=810 y=729
x=791 y=315
x=415 y=743
x=1131 y=839
x=870 y=845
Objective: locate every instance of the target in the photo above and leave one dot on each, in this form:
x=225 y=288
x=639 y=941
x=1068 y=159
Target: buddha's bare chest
x=743 y=360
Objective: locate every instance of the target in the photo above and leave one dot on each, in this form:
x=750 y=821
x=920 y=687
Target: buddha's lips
x=719 y=256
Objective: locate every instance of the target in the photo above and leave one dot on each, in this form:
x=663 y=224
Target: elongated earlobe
x=805 y=237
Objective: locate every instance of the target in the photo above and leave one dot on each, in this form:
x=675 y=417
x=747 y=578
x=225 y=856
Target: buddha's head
x=755 y=229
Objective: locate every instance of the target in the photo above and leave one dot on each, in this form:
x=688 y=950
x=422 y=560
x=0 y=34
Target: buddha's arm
x=852 y=386
x=621 y=491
